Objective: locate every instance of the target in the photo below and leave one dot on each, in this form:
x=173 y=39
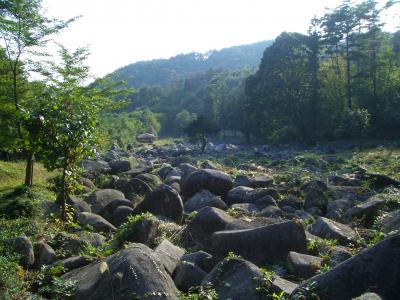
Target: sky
x=121 y=32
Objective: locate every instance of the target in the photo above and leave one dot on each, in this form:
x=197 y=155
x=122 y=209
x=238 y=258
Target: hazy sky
x=121 y=32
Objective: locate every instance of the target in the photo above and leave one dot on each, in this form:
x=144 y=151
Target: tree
x=69 y=114
x=184 y=118
x=23 y=29
x=201 y=128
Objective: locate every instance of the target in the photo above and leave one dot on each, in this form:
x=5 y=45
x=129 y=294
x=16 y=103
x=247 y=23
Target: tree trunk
x=29 y=169
x=349 y=102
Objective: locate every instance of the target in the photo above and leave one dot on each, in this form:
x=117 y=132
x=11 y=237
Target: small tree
x=201 y=128
x=70 y=112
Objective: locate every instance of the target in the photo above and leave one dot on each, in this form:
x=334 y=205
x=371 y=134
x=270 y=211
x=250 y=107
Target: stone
x=202 y=199
x=266 y=244
x=291 y=201
x=238 y=194
x=265 y=201
x=201 y=259
x=365 y=211
x=188 y=275
x=303 y=266
x=143 y=231
x=235 y=278
x=169 y=254
x=44 y=255
x=315 y=198
x=217 y=182
x=77 y=204
x=208 y=165
x=146 y=138
x=121 y=214
x=164 y=201
x=135 y=271
x=249 y=208
x=164 y=171
x=119 y=166
x=262 y=181
x=338 y=255
x=242 y=180
x=138 y=186
x=363 y=272
x=271 y=211
x=391 y=221
x=368 y=296
x=96 y=221
x=153 y=181
x=23 y=246
x=280 y=285
x=95 y=167
x=329 y=229
x=72 y=263
x=342 y=204
x=100 y=198
x=108 y=210
x=260 y=193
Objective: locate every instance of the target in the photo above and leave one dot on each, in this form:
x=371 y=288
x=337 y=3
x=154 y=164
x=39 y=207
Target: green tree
x=23 y=29
x=200 y=129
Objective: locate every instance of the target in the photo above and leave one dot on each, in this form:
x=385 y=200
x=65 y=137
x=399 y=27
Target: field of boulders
x=231 y=223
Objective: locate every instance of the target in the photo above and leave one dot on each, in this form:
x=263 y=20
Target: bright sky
x=121 y=32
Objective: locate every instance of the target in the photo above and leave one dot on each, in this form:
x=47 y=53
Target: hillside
x=166 y=71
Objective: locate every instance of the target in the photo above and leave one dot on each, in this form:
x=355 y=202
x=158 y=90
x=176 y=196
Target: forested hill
x=166 y=71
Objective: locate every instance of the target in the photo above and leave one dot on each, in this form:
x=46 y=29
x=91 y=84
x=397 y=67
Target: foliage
x=205 y=292
x=200 y=129
x=12 y=285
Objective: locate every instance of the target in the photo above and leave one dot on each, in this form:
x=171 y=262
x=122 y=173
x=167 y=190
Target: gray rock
x=363 y=272
x=271 y=211
x=153 y=181
x=242 y=180
x=315 y=198
x=368 y=296
x=391 y=221
x=188 y=275
x=217 y=182
x=343 y=204
x=303 y=266
x=262 y=181
x=144 y=231
x=202 y=199
x=249 y=208
x=23 y=247
x=44 y=255
x=280 y=285
x=135 y=271
x=164 y=201
x=201 y=259
x=365 y=211
x=261 y=245
x=95 y=167
x=119 y=166
x=99 y=199
x=291 y=201
x=72 y=263
x=108 y=211
x=169 y=255
x=208 y=165
x=265 y=201
x=329 y=229
x=238 y=194
x=164 y=171
x=235 y=279
x=77 y=204
x=121 y=214
x=96 y=221
x=338 y=255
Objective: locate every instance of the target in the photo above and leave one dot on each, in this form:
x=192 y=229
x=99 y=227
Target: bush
x=11 y=279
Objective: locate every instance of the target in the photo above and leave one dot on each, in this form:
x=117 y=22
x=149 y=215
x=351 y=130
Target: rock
x=342 y=204
x=72 y=263
x=188 y=275
x=329 y=229
x=99 y=199
x=151 y=180
x=314 y=185
x=238 y=194
x=380 y=181
x=164 y=201
x=254 y=195
x=176 y=161
x=303 y=266
x=164 y=171
x=77 y=204
x=138 y=186
x=120 y=215
x=169 y=255
x=176 y=187
x=242 y=180
x=361 y=273
x=108 y=211
x=96 y=221
x=119 y=166
x=73 y=244
x=365 y=211
x=338 y=255
x=368 y=296
x=315 y=198
x=86 y=182
x=132 y=272
x=265 y=201
x=291 y=201
x=146 y=138
x=208 y=165
x=143 y=231
x=186 y=170
x=95 y=167
x=173 y=179
x=44 y=255
x=261 y=245
x=235 y=278
x=280 y=285
x=201 y=259
x=217 y=182
x=249 y=208
x=314 y=211
x=391 y=221
x=270 y=211
x=92 y=238
x=202 y=199
x=23 y=247
x=262 y=182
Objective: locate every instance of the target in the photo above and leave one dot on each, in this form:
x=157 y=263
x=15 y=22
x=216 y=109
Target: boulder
x=303 y=266
x=380 y=181
x=329 y=229
x=164 y=201
x=254 y=195
x=146 y=138
x=23 y=246
x=217 y=182
x=95 y=167
x=265 y=201
x=363 y=272
x=202 y=199
x=238 y=194
x=208 y=165
x=100 y=198
x=266 y=244
x=391 y=221
x=365 y=211
x=169 y=254
x=338 y=255
x=368 y=296
x=44 y=255
x=108 y=210
x=164 y=171
x=96 y=221
x=188 y=275
x=121 y=214
x=132 y=272
x=248 y=208
x=201 y=259
x=143 y=231
x=242 y=180
x=270 y=211
x=137 y=186
x=262 y=181
x=77 y=204
x=153 y=181
x=72 y=263
x=235 y=278
x=282 y=286
x=315 y=198
x=119 y=166
x=291 y=201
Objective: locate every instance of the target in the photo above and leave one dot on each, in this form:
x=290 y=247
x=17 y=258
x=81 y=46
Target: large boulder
x=77 y=204
x=108 y=210
x=119 y=166
x=202 y=199
x=188 y=275
x=315 y=198
x=133 y=273
x=238 y=194
x=235 y=278
x=170 y=255
x=266 y=244
x=373 y=270
x=44 y=255
x=99 y=199
x=96 y=221
x=23 y=247
x=121 y=214
x=365 y=211
x=303 y=266
x=217 y=182
x=146 y=138
x=153 y=181
x=328 y=229
x=391 y=221
x=71 y=263
x=201 y=259
x=164 y=201
x=95 y=167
